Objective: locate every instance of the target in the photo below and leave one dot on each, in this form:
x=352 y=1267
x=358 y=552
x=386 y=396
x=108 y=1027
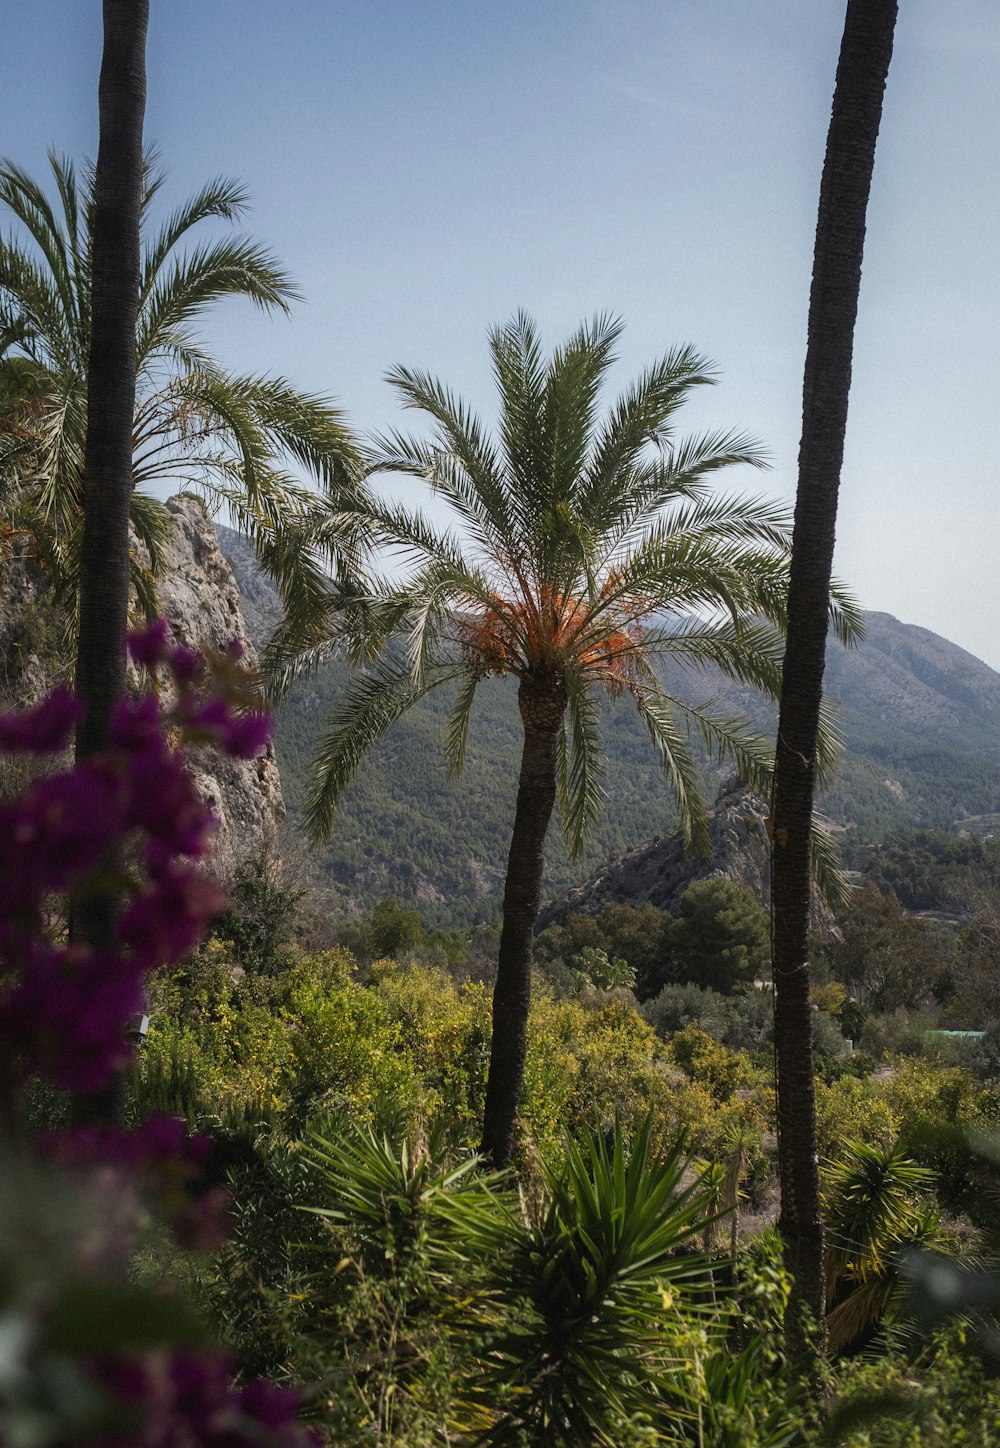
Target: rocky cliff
x=659 y=871
x=200 y=597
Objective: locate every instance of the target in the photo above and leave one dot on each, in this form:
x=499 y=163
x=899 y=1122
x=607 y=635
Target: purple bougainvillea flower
x=65 y=822
x=136 y=723
x=64 y=1014
x=45 y=729
x=149 y=646
x=186 y=664
x=248 y=736
x=164 y=801
x=165 y=921
x=186 y=1398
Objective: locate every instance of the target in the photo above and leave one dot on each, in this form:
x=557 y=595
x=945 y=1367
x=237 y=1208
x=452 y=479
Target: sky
x=425 y=168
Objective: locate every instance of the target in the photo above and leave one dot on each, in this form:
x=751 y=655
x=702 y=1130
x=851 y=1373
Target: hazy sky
x=426 y=167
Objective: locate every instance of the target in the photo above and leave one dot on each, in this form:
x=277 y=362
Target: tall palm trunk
x=542 y=703
x=850 y=153
x=107 y=479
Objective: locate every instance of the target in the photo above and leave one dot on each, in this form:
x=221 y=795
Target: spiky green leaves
x=242 y=441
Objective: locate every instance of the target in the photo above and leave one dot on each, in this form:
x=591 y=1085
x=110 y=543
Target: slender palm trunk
x=542 y=703
x=107 y=479
x=840 y=232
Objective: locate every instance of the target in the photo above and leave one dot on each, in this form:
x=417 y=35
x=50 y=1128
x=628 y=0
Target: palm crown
x=233 y=437
x=586 y=555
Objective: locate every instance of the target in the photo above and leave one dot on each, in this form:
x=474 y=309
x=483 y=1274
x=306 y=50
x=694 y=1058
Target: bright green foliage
x=704 y=1060
x=235 y=438
x=595 y=1276
x=721 y=937
x=595 y=969
x=394 y=1210
x=875 y=1206
x=439 y=1305
x=937 y=1393
x=421 y=1288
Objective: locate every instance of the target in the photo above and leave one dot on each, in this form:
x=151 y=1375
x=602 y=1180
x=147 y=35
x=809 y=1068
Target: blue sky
x=426 y=168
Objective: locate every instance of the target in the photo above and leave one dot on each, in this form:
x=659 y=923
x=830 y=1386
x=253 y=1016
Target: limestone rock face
x=659 y=871
x=201 y=599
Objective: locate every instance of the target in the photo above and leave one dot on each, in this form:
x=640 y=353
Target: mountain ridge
x=921 y=719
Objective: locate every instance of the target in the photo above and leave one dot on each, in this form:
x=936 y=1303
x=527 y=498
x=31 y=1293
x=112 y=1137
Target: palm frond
x=371 y=705
x=581 y=796
x=679 y=764
x=456 y=730
x=222 y=198
x=153 y=526
x=641 y=416
x=237 y=267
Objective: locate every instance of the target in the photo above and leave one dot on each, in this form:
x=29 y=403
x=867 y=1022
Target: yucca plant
x=873 y=1215
x=593 y=1301
x=381 y=1314
x=239 y=439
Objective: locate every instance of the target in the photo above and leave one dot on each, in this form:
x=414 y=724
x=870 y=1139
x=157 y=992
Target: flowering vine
x=63 y=1010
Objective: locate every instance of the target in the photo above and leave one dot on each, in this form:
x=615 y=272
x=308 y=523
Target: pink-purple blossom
x=134 y=811
x=63 y=1012
x=186 y=1398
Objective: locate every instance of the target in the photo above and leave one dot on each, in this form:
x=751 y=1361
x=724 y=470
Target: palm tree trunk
x=107 y=478
x=857 y=108
x=542 y=703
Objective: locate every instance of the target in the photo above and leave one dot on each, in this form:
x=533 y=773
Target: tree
x=887 y=958
x=234 y=437
x=977 y=955
x=394 y=930
x=110 y=302
x=721 y=937
x=850 y=155
x=634 y=933
x=587 y=552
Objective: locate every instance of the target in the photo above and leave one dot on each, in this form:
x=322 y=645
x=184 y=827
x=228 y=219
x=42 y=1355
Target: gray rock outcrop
x=659 y=871
x=201 y=599
x=199 y=595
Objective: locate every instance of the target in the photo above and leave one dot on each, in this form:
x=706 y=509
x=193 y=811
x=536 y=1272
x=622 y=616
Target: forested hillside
x=920 y=716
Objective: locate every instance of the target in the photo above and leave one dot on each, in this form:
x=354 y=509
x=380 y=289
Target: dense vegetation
x=356 y=1090
x=337 y=1232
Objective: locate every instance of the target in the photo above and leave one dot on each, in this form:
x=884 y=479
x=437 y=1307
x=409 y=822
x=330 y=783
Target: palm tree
x=237 y=438
x=585 y=554
x=111 y=305
x=850 y=154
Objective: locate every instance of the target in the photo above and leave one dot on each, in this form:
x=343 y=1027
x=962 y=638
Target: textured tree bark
x=542 y=703
x=850 y=153
x=107 y=478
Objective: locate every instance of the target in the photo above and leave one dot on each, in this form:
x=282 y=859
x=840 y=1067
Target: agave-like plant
x=595 y=1300
x=239 y=439
x=873 y=1217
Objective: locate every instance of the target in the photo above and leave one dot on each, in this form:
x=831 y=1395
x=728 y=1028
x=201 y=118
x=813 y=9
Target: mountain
x=659 y=871
x=920 y=717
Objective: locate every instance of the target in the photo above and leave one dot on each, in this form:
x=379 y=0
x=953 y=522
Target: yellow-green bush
x=408 y=1045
